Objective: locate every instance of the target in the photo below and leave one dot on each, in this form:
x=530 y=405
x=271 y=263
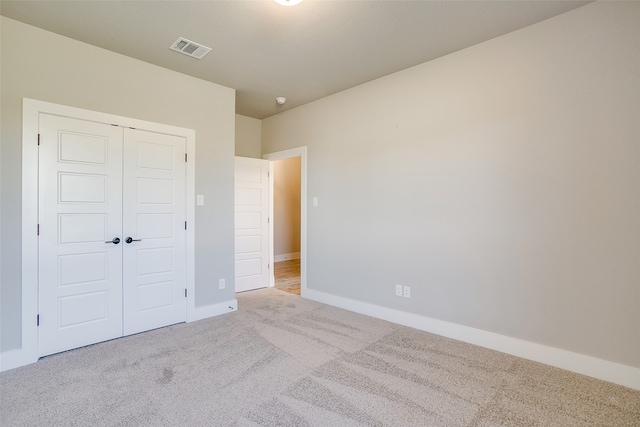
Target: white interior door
x=112 y=238
x=251 y=223
x=80 y=197
x=154 y=232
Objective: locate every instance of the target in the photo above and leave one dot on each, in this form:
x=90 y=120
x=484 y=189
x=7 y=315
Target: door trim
x=279 y=155
x=31 y=110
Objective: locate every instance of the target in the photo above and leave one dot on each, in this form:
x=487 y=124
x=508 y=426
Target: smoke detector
x=281 y=100
x=190 y=48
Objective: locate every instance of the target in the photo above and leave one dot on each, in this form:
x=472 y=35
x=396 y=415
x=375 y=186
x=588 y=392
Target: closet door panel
x=80 y=213
x=154 y=275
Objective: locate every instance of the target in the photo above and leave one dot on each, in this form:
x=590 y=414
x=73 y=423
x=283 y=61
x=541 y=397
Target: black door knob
x=115 y=240
x=128 y=240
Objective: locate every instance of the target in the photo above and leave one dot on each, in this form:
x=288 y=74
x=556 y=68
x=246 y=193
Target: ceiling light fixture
x=288 y=2
x=281 y=100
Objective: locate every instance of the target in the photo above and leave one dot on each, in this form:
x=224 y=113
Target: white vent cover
x=190 y=48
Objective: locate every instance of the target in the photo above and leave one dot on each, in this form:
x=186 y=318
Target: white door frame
x=280 y=155
x=28 y=353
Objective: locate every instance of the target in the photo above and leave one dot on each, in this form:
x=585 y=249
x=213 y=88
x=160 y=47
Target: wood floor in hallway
x=287 y=275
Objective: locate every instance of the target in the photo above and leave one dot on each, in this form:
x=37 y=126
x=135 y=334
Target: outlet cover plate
x=398 y=290
x=407 y=291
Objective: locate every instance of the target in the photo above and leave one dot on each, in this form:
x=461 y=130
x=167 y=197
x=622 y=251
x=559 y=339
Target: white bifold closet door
x=111 y=239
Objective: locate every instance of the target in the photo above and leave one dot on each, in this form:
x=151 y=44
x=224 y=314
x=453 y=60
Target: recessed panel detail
x=82 y=188
x=155 y=295
x=248 y=174
x=247 y=244
x=155 y=191
x=82 y=228
x=154 y=261
x=247 y=220
x=248 y=267
x=155 y=156
x=82 y=148
x=249 y=282
x=248 y=197
x=155 y=226
x=82 y=268
x=82 y=308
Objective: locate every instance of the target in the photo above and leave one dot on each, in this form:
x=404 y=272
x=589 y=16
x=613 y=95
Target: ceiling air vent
x=190 y=48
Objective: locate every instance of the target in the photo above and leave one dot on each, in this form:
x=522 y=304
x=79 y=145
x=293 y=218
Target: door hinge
x=38 y=229
x=38 y=320
x=185 y=157
x=185 y=225
x=185 y=293
x=38 y=139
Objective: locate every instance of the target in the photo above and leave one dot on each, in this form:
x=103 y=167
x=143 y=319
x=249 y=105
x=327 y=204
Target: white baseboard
x=20 y=357
x=286 y=257
x=213 y=310
x=14 y=359
x=627 y=376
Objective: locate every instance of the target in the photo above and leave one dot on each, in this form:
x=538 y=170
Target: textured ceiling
x=303 y=53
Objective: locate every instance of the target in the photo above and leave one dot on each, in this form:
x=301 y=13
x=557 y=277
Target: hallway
x=287 y=275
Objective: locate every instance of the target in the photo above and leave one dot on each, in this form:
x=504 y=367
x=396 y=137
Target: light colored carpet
x=284 y=361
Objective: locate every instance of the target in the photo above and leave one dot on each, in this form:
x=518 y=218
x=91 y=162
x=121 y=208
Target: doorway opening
x=287 y=276
x=286 y=224
x=288 y=227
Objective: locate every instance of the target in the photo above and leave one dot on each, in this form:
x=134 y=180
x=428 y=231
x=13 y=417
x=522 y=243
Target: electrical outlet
x=221 y=284
x=407 y=292
x=398 y=290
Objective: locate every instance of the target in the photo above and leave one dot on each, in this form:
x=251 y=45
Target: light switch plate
x=200 y=200
x=315 y=201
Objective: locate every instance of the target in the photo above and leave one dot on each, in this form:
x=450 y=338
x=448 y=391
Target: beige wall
x=286 y=206
x=41 y=65
x=500 y=182
x=248 y=137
